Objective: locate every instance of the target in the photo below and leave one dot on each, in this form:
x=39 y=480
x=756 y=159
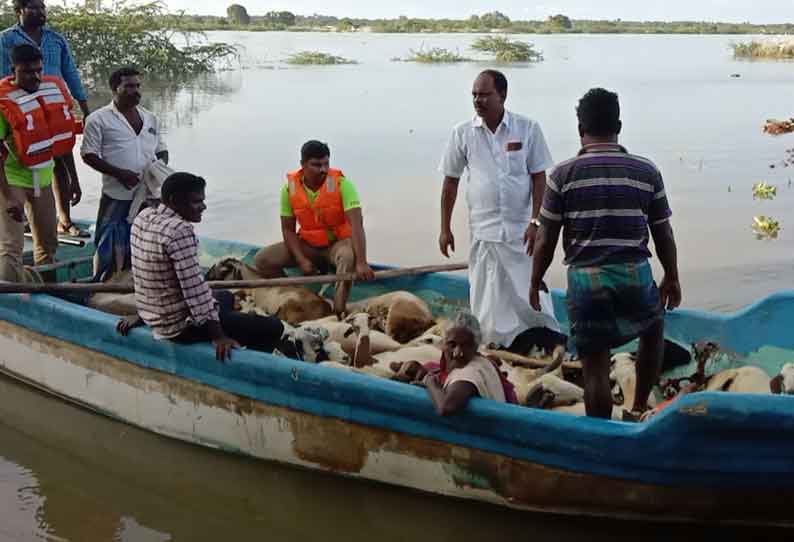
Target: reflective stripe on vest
x=42 y=123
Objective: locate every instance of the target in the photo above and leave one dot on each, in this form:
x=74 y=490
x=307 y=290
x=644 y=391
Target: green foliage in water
x=137 y=34
x=507 y=50
x=316 y=58
x=774 y=49
x=435 y=55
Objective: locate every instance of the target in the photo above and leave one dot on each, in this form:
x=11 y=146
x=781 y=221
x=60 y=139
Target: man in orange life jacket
x=326 y=206
x=36 y=125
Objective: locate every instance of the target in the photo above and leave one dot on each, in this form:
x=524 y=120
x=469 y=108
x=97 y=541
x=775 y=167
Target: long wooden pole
x=104 y=287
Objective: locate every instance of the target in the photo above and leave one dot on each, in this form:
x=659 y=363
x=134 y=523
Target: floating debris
x=765 y=227
x=764 y=190
x=779 y=127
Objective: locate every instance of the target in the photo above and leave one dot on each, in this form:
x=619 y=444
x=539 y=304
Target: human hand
x=124 y=325
x=364 y=271
x=446 y=241
x=670 y=293
x=128 y=178
x=529 y=238
x=223 y=348
x=307 y=267
x=77 y=193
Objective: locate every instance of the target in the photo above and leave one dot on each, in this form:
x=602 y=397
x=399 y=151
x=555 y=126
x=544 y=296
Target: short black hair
x=599 y=113
x=181 y=184
x=25 y=54
x=314 y=149
x=126 y=71
x=499 y=80
x=19 y=5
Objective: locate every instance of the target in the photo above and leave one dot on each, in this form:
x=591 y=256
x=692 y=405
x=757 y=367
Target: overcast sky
x=758 y=11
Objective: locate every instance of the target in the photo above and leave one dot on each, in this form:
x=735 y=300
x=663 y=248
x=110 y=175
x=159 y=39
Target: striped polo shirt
x=605 y=199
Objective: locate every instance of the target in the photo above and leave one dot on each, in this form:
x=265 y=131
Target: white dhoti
x=499 y=276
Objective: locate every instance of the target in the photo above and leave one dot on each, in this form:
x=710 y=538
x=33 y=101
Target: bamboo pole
x=106 y=287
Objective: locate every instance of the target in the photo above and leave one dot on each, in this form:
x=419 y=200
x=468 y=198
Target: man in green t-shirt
x=326 y=206
x=24 y=189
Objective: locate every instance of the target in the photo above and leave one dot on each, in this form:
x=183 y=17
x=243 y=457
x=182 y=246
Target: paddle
x=104 y=287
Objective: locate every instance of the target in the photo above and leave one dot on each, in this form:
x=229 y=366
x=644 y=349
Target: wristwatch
x=535 y=222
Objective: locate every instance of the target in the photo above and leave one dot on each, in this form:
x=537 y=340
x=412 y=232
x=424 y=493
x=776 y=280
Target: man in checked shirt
x=171 y=294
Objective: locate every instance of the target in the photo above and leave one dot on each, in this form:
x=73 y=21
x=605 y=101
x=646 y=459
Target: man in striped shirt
x=171 y=294
x=605 y=201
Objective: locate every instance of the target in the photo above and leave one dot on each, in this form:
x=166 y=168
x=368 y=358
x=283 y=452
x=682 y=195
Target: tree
x=237 y=14
x=495 y=19
x=559 y=22
x=286 y=18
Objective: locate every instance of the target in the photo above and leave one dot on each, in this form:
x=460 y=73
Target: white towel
x=152 y=180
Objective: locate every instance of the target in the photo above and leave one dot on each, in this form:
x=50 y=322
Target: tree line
x=239 y=18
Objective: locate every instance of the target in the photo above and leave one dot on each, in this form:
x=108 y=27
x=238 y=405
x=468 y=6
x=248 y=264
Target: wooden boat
x=711 y=457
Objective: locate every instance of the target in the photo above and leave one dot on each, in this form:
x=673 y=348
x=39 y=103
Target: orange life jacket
x=42 y=123
x=326 y=213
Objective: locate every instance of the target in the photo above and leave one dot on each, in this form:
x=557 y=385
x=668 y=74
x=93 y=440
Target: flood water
x=66 y=474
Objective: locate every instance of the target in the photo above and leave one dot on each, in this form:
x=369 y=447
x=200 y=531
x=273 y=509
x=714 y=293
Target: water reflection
x=177 y=104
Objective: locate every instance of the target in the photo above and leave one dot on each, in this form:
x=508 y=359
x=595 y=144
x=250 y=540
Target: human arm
x=351 y=203
x=15 y=207
x=453 y=399
x=291 y=239
x=71 y=76
x=538 y=189
x=356 y=218
x=547 y=237
x=91 y=151
x=182 y=250
x=545 y=244
x=659 y=214
x=160 y=150
x=449 y=193
x=128 y=178
x=670 y=287
x=77 y=191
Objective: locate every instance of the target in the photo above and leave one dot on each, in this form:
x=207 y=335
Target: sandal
x=72 y=230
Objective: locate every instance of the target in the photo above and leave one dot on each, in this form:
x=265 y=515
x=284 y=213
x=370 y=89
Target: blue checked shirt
x=57 y=56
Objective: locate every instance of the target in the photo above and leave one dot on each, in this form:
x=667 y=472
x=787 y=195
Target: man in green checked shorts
x=326 y=208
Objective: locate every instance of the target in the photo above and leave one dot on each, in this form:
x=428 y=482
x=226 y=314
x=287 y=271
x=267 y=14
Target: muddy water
x=70 y=475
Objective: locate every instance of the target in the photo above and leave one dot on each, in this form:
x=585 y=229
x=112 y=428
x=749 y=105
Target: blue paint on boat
x=704 y=440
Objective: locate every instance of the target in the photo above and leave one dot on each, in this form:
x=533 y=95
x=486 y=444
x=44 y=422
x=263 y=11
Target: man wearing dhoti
x=506 y=157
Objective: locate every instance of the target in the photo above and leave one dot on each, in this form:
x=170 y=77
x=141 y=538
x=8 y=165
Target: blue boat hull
x=712 y=456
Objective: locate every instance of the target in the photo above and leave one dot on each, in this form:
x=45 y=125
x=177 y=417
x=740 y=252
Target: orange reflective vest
x=42 y=123
x=325 y=213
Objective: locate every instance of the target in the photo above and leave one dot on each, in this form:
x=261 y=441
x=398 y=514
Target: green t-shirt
x=349 y=193
x=16 y=173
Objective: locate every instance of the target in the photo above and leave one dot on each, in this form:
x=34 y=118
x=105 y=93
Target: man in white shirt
x=506 y=157
x=121 y=141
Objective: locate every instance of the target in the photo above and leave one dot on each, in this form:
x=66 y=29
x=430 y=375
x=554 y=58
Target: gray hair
x=464 y=319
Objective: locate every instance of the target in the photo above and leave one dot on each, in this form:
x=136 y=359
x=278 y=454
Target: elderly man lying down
x=463 y=373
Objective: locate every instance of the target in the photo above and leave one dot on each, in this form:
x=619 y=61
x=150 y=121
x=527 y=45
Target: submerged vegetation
x=764 y=190
x=507 y=50
x=765 y=228
x=781 y=48
x=435 y=55
x=316 y=58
